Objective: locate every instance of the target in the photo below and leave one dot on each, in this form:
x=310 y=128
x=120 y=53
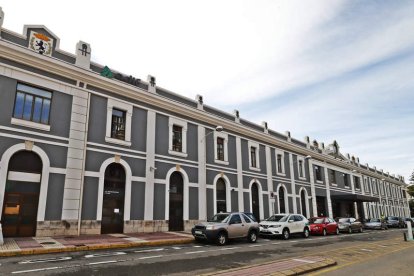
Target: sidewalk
x=42 y=245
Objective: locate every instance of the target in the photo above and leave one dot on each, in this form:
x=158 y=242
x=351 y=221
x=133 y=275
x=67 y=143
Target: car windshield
x=281 y=218
x=374 y=220
x=316 y=220
x=343 y=220
x=251 y=216
x=392 y=218
x=219 y=218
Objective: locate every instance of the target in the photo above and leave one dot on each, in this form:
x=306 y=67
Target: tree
x=411 y=204
x=412 y=178
x=410 y=190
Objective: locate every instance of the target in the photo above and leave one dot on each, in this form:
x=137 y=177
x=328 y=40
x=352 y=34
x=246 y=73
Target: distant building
x=86 y=149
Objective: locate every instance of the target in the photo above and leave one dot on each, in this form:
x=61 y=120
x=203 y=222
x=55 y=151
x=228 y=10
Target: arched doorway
x=303 y=203
x=113 y=199
x=255 y=201
x=176 y=206
x=221 y=196
x=282 y=202
x=21 y=197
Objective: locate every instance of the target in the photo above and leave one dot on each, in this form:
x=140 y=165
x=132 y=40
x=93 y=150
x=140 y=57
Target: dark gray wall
x=234 y=201
x=159 y=201
x=163 y=168
x=210 y=203
x=193 y=204
x=192 y=142
x=265 y=206
x=90 y=198
x=60 y=112
x=137 y=200
x=54 y=201
x=211 y=174
x=246 y=199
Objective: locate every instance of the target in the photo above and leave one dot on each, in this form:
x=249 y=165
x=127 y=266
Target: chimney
x=152 y=88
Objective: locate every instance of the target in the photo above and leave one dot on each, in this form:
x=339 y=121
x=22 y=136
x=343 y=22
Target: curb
x=35 y=251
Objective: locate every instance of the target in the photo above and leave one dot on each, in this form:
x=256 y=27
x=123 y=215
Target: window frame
x=357 y=180
x=225 y=138
x=346 y=180
x=257 y=156
x=282 y=163
x=318 y=172
x=332 y=181
x=302 y=170
x=183 y=124
x=128 y=109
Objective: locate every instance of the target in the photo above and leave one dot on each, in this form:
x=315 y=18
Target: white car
x=285 y=225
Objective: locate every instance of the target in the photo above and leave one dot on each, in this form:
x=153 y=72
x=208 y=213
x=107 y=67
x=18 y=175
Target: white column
x=269 y=180
x=362 y=184
x=150 y=167
x=313 y=192
x=328 y=193
x=202 y=190
x=353 y=192
x=292 y=184
x=239 y=173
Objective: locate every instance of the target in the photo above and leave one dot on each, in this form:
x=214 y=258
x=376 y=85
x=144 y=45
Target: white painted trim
x=92 y=174
x=239 y=174
x=22 y=176
x=116 y=148
x=57 y=170
x=282 y=153
x=228 y=192
x=225 y=137
x=14 y=129
x=117 y=141
x=292 y=182
x=260 y=195
x=181 y=123
x=25 y=123
x=185 y=193
x=269 y=166
x=25 y=138
x=256 y=145
x=202 y=191
x=301 y=158
x=166 y=158
x=4 y=163
x=115 y=153
x=140 y=179
x=149 y=167
x=127 y=200
x=282 y=186
x=128 y=108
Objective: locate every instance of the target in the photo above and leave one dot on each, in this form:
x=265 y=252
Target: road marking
x=35 y=270
x=150 y=257
x=275 y=242
x=292 y=241
x=195 y=252
x=228 y=248
x=104 y=262
x=304 y=261
x=105 y=254
x=176 y=247
x=46 y=260
x=256 y=245
x=197 y=246
x=149 y=250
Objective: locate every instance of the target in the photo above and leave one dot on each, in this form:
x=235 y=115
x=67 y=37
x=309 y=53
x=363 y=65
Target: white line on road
x=176 y=247
x=363 y=249
x=105 y=254
x=35 y=270
x=149 y=250
x=150 y=257
x=293 y=241
x=256 y=245
x=276 y=243
x=46 y=260
x=195 y=252
x=104 y=262
x=228 y=248
x=304 y=261
x=197 y=246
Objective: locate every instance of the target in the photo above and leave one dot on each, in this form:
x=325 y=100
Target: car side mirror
x=291 y=220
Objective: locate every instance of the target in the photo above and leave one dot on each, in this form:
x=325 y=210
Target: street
x=192 y=259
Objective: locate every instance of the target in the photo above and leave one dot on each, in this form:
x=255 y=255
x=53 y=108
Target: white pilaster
x=239 y=173
x=150 y=167
x=328 y=193
x=292 y=184
x=202 y=190
x=269 y=180
x=313 y=192
x=353 y=192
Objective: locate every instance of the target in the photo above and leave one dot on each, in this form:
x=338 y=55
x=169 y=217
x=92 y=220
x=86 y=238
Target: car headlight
x=210 y=227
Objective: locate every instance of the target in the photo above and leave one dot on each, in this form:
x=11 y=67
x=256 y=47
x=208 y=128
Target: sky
x=327 y=69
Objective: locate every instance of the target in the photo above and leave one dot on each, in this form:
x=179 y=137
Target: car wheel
x=252 y=236
x=361 y=230
x=222 y=238
x=198 y=239
x=337 y=231
x=349 y=230
x=324 y=233
x=286 y=234
x=306 y=233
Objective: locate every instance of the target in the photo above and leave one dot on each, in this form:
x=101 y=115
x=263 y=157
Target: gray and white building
x=87 y=150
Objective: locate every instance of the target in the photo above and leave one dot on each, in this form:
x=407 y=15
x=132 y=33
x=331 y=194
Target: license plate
x=198 y=232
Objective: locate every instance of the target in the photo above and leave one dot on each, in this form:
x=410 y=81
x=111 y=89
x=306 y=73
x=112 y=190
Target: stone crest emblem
x=41 y=43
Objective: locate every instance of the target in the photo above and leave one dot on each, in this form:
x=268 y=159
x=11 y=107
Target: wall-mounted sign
x=106 y=72
x=41 y=43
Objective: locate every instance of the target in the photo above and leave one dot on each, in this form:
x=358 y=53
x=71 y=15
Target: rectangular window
x=318 y=173
x=253 y=157
x=279 y=163
x=220 y=148
x=332 y=176
x=374 y=186
x=177 y=138
x=356 y=182
x=301 y=168
x=118 y=124
x=346 y=183
x=32 y=104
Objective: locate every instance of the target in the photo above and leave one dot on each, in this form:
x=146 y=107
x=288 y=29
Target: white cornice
x=52 y=65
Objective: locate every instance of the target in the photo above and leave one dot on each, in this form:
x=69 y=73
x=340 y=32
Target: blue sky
x=326 y=69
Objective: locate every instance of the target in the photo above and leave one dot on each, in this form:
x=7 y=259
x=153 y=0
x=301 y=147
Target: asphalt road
x=189 y=259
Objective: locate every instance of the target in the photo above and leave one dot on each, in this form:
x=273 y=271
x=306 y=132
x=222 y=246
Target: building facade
x=88 y=150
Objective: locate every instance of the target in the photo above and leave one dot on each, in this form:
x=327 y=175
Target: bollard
x=410 y=232
x=1 y=235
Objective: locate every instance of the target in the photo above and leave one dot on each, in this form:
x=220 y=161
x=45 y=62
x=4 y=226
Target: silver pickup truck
x=225 y=226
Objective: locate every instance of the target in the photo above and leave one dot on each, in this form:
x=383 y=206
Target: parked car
x=393 y=221
x=285 y=225
x=225 y=226
x=323 y=226
x=375 y=223
x=349 y=225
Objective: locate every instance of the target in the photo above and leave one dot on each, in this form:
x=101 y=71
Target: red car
x=323 y=226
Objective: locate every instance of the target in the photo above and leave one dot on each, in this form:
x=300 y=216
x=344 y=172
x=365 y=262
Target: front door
x=113 y=200
x=255 y=201
x=176 y=210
